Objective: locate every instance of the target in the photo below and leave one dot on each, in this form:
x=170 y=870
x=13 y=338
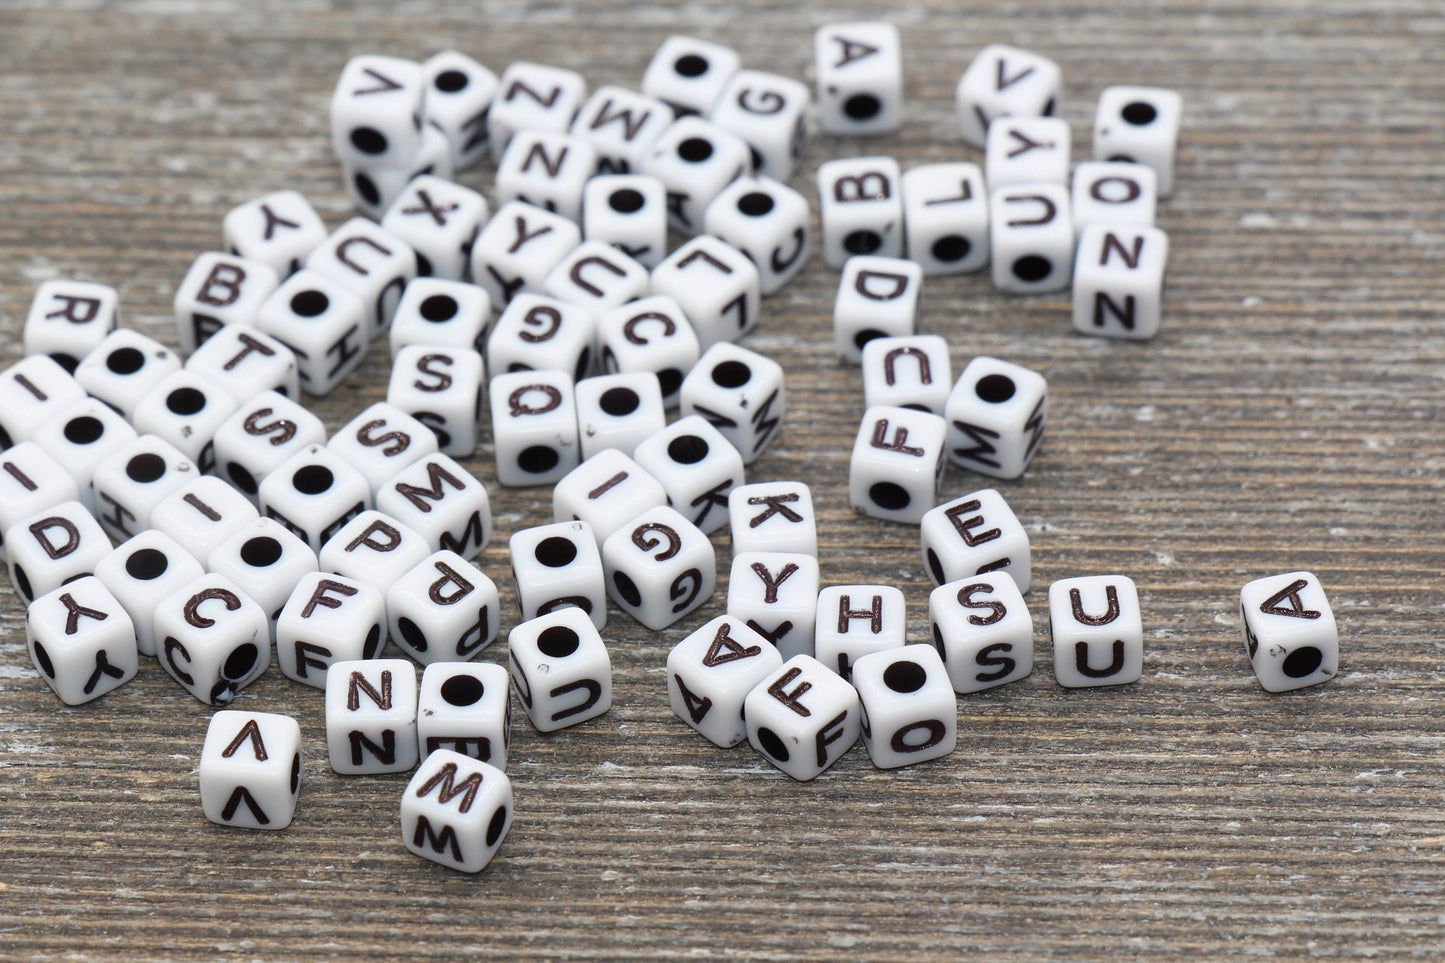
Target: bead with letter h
x=250 y=772
x=561 y=669
x=1119 y=281
x=975 y=534
x=983 y=631
x=861 y=208
x=219 y=289
x=711 y=672
x=773 y=516
x=1289 y=631
x=328 y=618
x=802 y=718
x=1005 y=81
x=323 y=324
x=945 y=218
x=659 y=567
x=81 y=640
x=1098 y=631
x=133 y=480
x=371 y=716
x=740 y=393
x=860 y=77
x=854 y=620
x=214 y=639
x=68 y=319
x=462 y=826
x=877 y=297
x=466 y=709
x=913 y=371
x=776 y=595
x=996 y=413
x=697 y=467
x=440 y=387
x=897 y=463
x=443 y=610
x=910 y=714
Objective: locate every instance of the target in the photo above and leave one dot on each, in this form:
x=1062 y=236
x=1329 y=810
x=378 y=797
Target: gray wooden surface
x=1288 y=417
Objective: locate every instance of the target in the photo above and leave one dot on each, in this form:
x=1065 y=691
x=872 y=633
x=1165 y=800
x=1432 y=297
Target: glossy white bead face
x=907 y=372
x=203 y=514
x=33 y=390
x=214 y=639
x=1119 y=281
x=78 y=438
x=267 y=562
x=459 y=93
x=440 y=387
x=711 y=672
x=945 y=218
x=443 y=610
x=694 y=160
x=659 y=567
x=245 y=361
x=775 y=594
x=861 y=208
x=982 y=629
x=133 y=480
x=1027 y=150
x=716 y=286
x=313 y=493
x=628 y=211
x=1289 y=631
x=81 y=640
x=534 y=426
x=323 y=323
x=439 y=219
x=622 y=125
x=769 y=222
x=1114 y=192
x=697 y=467
x=1140 y=125
x=371 y=716
x=380 y=442
x=560 y=668
x=909 y=711
x=517 y=249
x=606 y=491
x=546 y=168
x=443 y=313
x=773 y=516
x=250 y=772
x=373 y=548
x=141 y=572
x=278 y=229
x=465 y=708
x=770 y=113
x=52 y=546
x=618 y=411
x=536 y=332
x=597 y=276
x=373 y=190
x=740 y=393
x=456 y=811
x=996 y=413
x=376 y=111
x=802 y=718
x=219 y=289
x=120 y=371
x=328 y=619
x=975 y=534
x=185 y=410
x=877 y=298
x=650 y=335
x=67 y=319
x=689 y=74
x=1032 y=238
x=854 y=620
x=557 y=566
x=370 y=262
x=533 y=97
x=1005 y=81
x=896 y=464
x=259 y=436
x=860 y=77
x=441 y=501
x=1098 y=631
x=31 y=481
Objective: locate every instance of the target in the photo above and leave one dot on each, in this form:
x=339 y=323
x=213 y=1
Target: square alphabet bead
x=1032 y=238
x=650 y=335
x=371 y=716
x=1027 y=150
x=860 y=207
x=1114 y=192
x=313 y=494
x=1005 y=81
x=370 y=262
x=533 y=97
x=628 y=211
x=517 y=249
x=259 y=436
x=33 y=390
x=983 y=631
x=598 y=277
x=79 y=438
x=548 y=169
x=244 y=361
x=32 y=481
x=897 y=464
x=219 y=289
x=214 y=638
x=975 y=534
x=534 y=426
x=910 y=371
x=250 y=772
x=561 y=669
x=279 y=230
x=202 y=514
x=558 y=566
x=716 y=286
x=695 y=160
x=697 y=467
x=456 y=811
x=740 y=393
x=443 y=610
x=140 y=573
x=773 y=516
x=1140 y=125
x=373 y=190
x=440 y=220
x=185 y=409
x=328 y=618
x=910 y=714
x=376 y=111
x=775 y=594
x=465 y=708
x=711 y=672
x=996 y=414
x=439 y=312
x=1289 y=631
x=802 y=718
x=769 y=222
x=120 y=371
x=459 y=93
x=1119 y=281
x=659 y=567
x=67 y=319
x=53 y=546
x=860 y=77
x=323 y=323
x=618 y=411
x=770 y=113
x=81 y=640
x=267 y=562
x=945 y=218
x=606 y=491
x=854 y=620
x=1098 y=631
x=135 y=478
x=689 y=74
x=442 y=502
x=382 y=441
x=622 y=125
x=877 y=298
x=373 y=548
x=536 y=331
x=440 y=387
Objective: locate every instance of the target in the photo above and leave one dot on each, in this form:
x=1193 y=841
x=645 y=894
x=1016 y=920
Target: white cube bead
x=465 y=708
x=259 y=436
x=1140 y=125
x=912 y=371
x=1005 y=81
x=897 y=463
x=81 y=437
x=534 y=426
x=53 y=546
x=618 y=411
x=1027 y=150
x=773 y=516
x=945 y=218
x=650 y=335
x=770 y=112
x=373 y=548
x=561 y=669
x=877 y=298
x=213 y=638
x=463 y=825
x=996 y=413
x=622 y=125
x=605 y=491
x=328 y=618
x=267 y=562
x=859 y=77
x=598 y=277
x=371 y=716
x=245 y=361
x=440 y=220
x=440 y=387
x=689 y=74
x=711 y=672
x=33 y=390
x=659 y=567
x=982 y=628
x=695 y=160
x=546 y=168
x=910 y=714
x=141 y=572
x=1119 y=281
x=443 y=610
x=1289 y=631
x=533 y=96
x=370 y=262
x=802 y=718
x=219 y=289
x=120 y=371
x=558 y=566
x=769 y=222
x=382 y=441
x=861 y=208
x=372 y=190
x=854 y=620
x=536 y=331
x=1032 y=238
x=81 y=640
x=203 y=514
x=133 y=480
x=323 y=323
x=775 y=594
x=31 y=481
x=716 y=286
x=628 y=211
x=1098 y=631
x=697 y=467
x=740 y=393
x=313 y=493
x=975 y=534
x=441 y=501
x=68 y=319
x=278 y=229
x=1114 y=192
x=459 y=94
x=250 y=771
x=441 y=312
x=185 y=409
x=376 y=111
x=517 y=249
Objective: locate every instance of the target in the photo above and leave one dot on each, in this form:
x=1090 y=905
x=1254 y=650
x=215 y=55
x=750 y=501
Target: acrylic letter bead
x=441 y=501
x=1032 y=238
x=1097 y=629
x=533 y=96
x=185 y=410
x=776 y=595
x=907 y=372
x=31 y=481
x=1140 y=124
x=141 y=572
x=897 y=463
x=860 y=77
x=694 y=160
x=459 y=94
x=1003 y=80
x=622 y=125
x=861 y=208
x=456 y=811
x=548 y=169
x=716 y=286
x=689 y=74
x=975 y=534
x=802 y=718
x=277 y=229
x=250 y=772
x=769 y=222
x=465 y=708
x=214 y=639
x=711 y=672
x=697 y=467
x=32 y=390
x=659 y=567
x=1289 y=631
x=982 y=629
x=373 y=548
x=1027 y=150
x=1114 y=192
x=877 y=298
x=441 y=388
x=945 y=217
x=259 y=436
x=370 y=262
x=328 y=618
x=909 y=711
x=535 y=331
x=80 y=438
x=770 y=113
x=439 y=219
x=1119 y=281
x=202 y=514
x=558 y=566
x=55 y=545
x=773 y=516
x=120 y=371
x=440 y=312
x=534 y=426
x=606 y=491
x=628 y=211
x=740 y=393
x=995 y=414
x=382 y=441
x=245 y=361
x=323 y=323
x=650 y=335
x=854 y=620
x=371 y=716
x=219 y=289
x=376 y=111
x=561 y=669
x=81 y=640
x=67 y=319
x=267 y=562
x=517 y=249
x=443 y=610
x=598 y=277
x=618 y=411
x=313 y=493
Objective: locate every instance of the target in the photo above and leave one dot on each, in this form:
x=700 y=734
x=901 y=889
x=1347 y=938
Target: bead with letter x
x=427 y=207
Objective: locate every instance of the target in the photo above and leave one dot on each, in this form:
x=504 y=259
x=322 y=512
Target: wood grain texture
x=1289 y=416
